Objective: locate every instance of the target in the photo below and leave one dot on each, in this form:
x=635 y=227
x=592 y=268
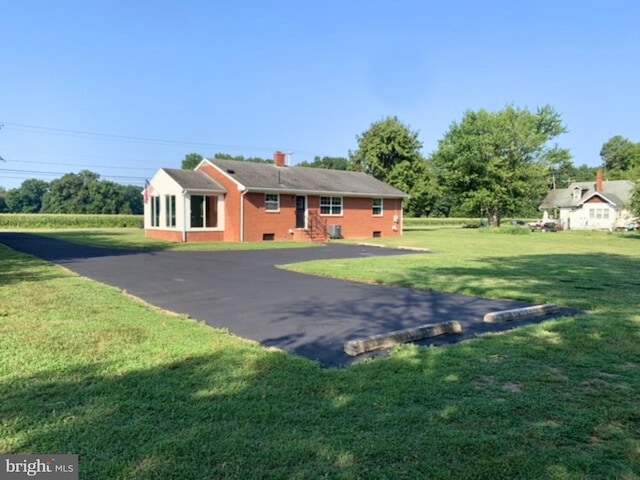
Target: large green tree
x=384 y=145
x=620 y=155
x=391 y=152
x=191 y=161
x=70 y=193
x=133 y=200
x=28 y=197
x=3 y=202
x=497 y=163
x=241 y=158
x=331 y=163
x=635 y=201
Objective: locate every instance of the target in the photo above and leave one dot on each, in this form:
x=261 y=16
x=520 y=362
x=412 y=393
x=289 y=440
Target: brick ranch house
x=235 y=201
x=599 y=205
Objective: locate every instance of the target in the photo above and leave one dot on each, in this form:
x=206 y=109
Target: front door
x=301 y=210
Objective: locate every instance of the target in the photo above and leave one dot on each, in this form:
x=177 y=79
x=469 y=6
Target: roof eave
x=325 y=192
x=204 y=190
x=597 y=194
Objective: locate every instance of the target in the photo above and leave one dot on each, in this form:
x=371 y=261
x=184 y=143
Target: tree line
x=81 y=192
x=489 y=164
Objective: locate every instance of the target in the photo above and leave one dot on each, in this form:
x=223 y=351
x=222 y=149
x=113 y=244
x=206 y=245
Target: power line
x=11 y=171
x=81 y=165
x=128 y=138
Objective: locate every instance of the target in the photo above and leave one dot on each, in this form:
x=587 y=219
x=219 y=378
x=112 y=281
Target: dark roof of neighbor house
x=193 y=180
x=617 y=192
x=268 y=177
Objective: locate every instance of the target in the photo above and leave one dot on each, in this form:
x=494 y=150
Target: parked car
x=633 y=225
x=544 y=227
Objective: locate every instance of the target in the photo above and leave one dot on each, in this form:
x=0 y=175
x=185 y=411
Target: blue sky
x=252 y=77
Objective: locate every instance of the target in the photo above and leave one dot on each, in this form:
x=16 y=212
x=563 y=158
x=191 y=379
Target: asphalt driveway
x=245 y=292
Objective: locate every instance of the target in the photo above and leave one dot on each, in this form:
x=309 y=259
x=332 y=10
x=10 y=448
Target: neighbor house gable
x=591 y=205
x=616 y=192
x=602 y=198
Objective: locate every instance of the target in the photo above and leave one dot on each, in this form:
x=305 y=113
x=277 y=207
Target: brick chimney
x=599 y=181
x=279 y=159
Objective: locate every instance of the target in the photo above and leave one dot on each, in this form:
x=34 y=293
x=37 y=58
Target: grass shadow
x=592 y=281
x=423 y=412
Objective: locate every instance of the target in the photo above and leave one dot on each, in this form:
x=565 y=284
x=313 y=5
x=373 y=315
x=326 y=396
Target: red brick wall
x=205 y=236
x=358 y=221
x=232 y=203
x=175 y=236
x=259 y=221
x=168 y=235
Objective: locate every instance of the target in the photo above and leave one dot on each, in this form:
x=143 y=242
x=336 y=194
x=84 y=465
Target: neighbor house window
x=377 y=207
x=577 y=193
x=331 y=205
x=204 y=211
x=592 y=213
x=599 y=213
x=170 y=210
x=272 y=202
x=605 y=213
x=155 y=211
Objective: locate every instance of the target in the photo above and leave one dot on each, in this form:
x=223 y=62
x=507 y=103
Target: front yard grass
x=142 y=394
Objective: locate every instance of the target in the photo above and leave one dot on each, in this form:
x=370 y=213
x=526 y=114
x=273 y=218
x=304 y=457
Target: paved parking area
x=245 y=292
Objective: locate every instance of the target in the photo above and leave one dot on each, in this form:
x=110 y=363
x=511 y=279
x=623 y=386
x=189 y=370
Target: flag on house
x=148 y=190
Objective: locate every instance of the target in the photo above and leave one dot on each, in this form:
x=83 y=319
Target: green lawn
x=142 y=394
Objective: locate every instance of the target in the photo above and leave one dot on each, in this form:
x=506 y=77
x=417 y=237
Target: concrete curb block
x=520 y=313
x=400 y=247
x=385 y=340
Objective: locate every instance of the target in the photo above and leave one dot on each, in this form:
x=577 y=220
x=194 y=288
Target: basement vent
x=377 y=234
x=268 y=236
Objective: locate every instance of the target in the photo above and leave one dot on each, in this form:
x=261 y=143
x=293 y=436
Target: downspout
x=244 y=192
x=184 y=216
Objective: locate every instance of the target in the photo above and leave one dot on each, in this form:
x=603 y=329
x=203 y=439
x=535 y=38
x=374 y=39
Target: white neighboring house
x=599 y=205
x=182 y=203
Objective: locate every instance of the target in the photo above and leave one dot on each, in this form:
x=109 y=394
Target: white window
x=598 y=213
x=377 y=207
x=605 y=213
x=170 y=210
x=592 y=213
x=155 y=211
x=331 y=205
x=577 y=193
x=272 y=202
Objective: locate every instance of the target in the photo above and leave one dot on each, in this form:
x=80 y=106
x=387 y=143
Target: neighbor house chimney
x=279 y=159
x=599 y=182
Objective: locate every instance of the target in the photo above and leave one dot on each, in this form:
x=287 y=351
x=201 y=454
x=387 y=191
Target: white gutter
x=244 y=192
x=184 y=216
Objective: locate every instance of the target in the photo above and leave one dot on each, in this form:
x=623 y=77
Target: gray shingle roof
x=616 y=191
x=268 y=177
x=191 y=180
